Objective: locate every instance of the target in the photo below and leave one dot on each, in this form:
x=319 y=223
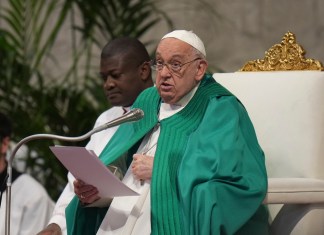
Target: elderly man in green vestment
x=194 y=158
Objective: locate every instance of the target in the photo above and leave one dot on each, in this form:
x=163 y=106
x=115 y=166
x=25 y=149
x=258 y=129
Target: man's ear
x=145 y=71
x=201 y=70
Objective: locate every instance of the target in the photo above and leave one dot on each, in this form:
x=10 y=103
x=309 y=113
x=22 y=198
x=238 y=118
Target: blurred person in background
x=31 y=207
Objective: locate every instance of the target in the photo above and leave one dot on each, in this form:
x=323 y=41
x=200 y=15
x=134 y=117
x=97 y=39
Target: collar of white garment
x=167 y=110
x=126 y=109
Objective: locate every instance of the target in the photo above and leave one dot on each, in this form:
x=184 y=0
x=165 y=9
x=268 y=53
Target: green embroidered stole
x=174 y=134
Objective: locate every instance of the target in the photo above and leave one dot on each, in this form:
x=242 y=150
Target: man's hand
x=51 y=229
x=142 y=166
x=86 y=192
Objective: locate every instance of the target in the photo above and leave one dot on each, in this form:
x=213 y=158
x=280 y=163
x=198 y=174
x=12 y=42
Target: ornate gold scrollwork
x=288 y=55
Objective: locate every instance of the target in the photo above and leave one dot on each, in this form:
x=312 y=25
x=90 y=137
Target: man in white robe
x=125 y=71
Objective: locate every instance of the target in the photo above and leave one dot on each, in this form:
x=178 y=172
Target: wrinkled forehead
x=172 y=47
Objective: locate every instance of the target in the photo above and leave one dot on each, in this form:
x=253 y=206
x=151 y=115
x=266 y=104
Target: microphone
x=133 y=115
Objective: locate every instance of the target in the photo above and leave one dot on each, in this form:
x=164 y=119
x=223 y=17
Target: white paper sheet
x=86 y=166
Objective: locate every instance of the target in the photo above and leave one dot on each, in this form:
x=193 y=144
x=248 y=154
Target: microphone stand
x=132 y=115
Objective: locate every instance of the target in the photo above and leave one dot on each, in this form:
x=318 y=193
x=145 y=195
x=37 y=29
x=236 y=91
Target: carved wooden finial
x=288 y=55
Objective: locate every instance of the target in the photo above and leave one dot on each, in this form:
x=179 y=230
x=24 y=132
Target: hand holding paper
x=86 y=166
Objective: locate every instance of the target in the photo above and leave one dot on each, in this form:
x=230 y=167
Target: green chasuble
x=209 y=173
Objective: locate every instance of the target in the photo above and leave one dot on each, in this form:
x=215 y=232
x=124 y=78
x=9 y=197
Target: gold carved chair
x=284 y=96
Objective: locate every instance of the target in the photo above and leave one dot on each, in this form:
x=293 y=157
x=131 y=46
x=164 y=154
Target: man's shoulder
x=28 y=180
x=110 y=114
x=25 y=182
x=111 y=110
x=148 y=99
x=148 y=93
x=31 y=194
x=212 y=88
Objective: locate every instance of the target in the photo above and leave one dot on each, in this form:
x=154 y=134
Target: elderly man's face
x=173 y=84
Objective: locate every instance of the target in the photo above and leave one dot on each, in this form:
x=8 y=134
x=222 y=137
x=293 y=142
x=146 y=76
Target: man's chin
x=167 y=98
x=114 y=102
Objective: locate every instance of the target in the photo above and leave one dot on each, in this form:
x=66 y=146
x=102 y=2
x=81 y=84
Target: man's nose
x=109 y=83
x=165 y=71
